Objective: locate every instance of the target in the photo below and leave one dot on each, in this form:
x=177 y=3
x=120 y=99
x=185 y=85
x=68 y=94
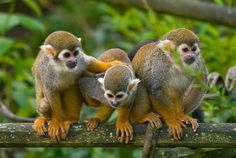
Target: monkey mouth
x=189 y=60
x=115 y=106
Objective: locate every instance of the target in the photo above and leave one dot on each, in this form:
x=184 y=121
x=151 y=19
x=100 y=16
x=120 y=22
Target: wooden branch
x=208 y=135
x=193 y=9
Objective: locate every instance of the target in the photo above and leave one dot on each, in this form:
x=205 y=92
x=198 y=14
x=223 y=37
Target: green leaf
x=31 y=23
x=6 y=1
x=7 y=22
x=33 y=6
x=5 y=44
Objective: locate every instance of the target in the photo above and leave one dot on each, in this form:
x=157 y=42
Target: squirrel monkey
x=117 y=90
x=169 y=87
x=56 y=70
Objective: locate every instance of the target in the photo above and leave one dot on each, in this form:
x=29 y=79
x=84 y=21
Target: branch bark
x=208 y=135
x=194 y=9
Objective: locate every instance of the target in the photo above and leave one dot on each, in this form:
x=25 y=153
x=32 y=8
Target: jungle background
x=24 y=24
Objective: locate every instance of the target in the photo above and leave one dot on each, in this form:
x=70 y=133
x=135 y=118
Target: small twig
x=11 y=116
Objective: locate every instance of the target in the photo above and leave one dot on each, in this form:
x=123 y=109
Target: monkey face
x=115 y=100
x=69 y=59
x=188 y=53
x=118 y=98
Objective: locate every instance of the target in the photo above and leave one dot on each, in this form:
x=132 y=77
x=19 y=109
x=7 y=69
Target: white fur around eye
x=79 y=51
x=107 y=93
x=124 y=95
x=61 y=55
x=182 y=46
x=198 y=49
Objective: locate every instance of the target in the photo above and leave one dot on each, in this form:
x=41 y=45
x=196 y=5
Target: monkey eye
x=194 y=48
x=66 y=55
x=76 y=52
x=185 y=49
x=119 y=96
x=109 y=95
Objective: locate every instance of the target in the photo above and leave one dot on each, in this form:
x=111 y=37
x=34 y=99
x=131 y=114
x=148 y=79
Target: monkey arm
x=55 y=129
x=123 y=127
x=98 y=66
x=104 y=112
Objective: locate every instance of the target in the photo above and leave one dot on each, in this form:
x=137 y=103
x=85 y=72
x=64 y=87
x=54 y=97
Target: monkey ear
x=79 y=39
x=49 y=50
x=101 y=81
x=133 y=85
x=166 y=45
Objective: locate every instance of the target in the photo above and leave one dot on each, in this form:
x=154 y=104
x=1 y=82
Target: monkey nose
x=71 y=63
x=115 y=104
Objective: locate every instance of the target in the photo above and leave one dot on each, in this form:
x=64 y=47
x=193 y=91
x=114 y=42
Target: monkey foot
x=124 y=132
x=56 y=130
x=92 y=124
x=189 y=120
x=175 y=129
x=66 y=124
x=39 y=126
x=153 y=119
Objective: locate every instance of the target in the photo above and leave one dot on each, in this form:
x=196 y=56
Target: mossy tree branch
x=208 y=135
x=193 y=9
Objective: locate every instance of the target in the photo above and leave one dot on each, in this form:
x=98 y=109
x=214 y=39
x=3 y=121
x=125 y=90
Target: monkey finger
x=158 y=124
x=117 y=132
x=182 y=124
x=179 y=132
x=151 y=123
x=122 y=136
x=127 y=136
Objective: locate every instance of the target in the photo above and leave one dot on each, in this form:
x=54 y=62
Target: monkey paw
x=39 y=126
x=92 y=124
x=189 y=120
x=175 y=129
x=153 y=119
x=66 y=124
x=56 y=130
x=124 y=131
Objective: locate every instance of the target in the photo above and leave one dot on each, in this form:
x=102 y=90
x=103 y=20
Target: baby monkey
x=117 y=90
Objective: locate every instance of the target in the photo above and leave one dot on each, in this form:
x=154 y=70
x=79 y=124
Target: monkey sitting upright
x=170 y=89
x=56 y=70
x=117 y=90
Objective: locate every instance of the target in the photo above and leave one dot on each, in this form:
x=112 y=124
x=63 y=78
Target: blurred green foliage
x=25 y=24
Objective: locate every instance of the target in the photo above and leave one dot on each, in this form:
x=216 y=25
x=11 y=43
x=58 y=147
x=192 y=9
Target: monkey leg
x=55 y=127
x=142 y=111
x=102 y=115
x=72 y=100
x=169 y=114
x=99 y=66
x=124 y=129
x=44 y=109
